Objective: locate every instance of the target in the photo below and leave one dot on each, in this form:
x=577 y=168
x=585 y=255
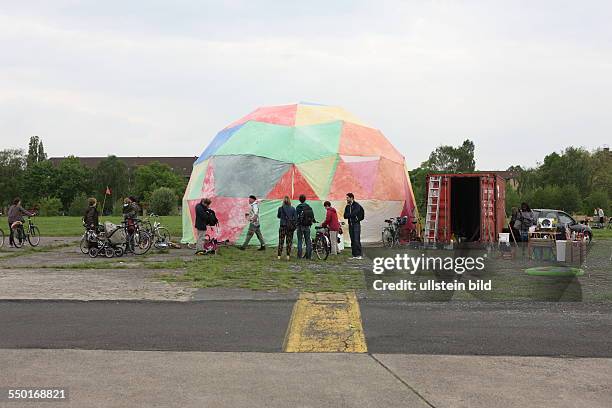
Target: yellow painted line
x=325 y=322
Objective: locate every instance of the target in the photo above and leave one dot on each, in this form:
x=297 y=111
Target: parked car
x=562 y=219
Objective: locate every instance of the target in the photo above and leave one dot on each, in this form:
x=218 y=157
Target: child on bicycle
x=333 y=226
x=15 y=218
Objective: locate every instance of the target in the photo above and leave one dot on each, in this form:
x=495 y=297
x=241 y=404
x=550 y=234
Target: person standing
x=333 y=225
x=254 y=226
x=527 y=220
x=91 y=218
x=515 y=224
x=305 y=219
x=15 y=215
x=354 y=213
x=600 y=213
x=205 y=217
x=288 y=222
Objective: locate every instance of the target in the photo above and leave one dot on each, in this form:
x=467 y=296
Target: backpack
x=306 y=217
x=290 y=222
x=210 y=218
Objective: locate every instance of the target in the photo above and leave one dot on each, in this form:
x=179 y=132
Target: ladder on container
x=433 y=209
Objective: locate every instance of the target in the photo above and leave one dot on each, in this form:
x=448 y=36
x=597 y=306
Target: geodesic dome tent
x=321 y=151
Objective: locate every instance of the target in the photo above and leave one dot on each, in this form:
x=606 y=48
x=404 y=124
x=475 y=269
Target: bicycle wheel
x=34 y=237
x=1 y=238
x=387 y=238
x=19 y=237
x=162 y=238
x=142 y=242
x=320 y=248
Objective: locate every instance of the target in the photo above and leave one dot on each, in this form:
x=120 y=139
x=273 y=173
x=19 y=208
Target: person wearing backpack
x=288 y=222
x=354 y=213
x=305 y=219
x=205 y=217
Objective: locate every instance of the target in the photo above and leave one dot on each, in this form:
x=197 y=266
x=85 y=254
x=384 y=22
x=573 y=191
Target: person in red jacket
x=333 y=225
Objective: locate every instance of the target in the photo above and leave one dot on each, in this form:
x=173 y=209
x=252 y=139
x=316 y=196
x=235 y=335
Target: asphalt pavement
x=460 y=328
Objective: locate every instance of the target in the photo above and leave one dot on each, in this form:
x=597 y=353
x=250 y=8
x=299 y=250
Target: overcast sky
x=520 y=78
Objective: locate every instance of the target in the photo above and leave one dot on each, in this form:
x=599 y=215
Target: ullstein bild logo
x=403 y=262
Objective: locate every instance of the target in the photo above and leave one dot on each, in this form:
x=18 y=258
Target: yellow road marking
x=325 y=322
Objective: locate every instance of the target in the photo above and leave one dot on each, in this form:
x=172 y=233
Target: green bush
x=117 y=207
x=512 y=199
x=163 y=201
x=571 y=201
x=50 y=206
x=597 y=199
x=78 y=205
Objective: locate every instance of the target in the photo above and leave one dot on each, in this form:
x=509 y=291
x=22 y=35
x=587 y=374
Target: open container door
x=488 y=195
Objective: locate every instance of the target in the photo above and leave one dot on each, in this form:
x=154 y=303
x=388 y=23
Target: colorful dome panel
x=320 y=151
x=359 y=140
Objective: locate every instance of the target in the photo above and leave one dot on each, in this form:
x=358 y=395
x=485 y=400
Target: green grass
x=73 y=226
x=602 y=233
x=262 y=271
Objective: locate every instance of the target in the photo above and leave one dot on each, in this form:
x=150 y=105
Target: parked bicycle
x=113 y=240
x=322 y=243
x=138 y=240
x=31 y=233
x=159 y=234
x=391 y=232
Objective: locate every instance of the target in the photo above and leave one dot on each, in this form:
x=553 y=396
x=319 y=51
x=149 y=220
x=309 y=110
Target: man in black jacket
x=354 y=213
x=205 y=217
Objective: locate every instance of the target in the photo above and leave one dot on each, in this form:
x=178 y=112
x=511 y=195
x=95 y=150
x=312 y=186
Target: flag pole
x=104 y=200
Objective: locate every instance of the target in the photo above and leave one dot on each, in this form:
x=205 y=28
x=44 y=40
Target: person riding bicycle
x=333 y=225
x=15 y=218
x=205 y=217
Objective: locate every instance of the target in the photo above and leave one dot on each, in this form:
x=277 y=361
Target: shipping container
x=464 y=207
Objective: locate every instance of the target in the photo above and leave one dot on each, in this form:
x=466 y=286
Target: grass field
x=260 y=270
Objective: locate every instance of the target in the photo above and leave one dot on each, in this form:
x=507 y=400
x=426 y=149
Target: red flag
x=108 y=191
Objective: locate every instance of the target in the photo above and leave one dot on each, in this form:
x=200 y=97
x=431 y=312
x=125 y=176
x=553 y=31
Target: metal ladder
x=433 y=209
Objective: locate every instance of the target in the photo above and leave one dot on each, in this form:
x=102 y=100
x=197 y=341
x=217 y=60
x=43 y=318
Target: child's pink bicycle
x=211 y=245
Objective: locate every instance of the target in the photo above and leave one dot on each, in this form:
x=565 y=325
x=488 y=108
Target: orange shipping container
x=464 y=207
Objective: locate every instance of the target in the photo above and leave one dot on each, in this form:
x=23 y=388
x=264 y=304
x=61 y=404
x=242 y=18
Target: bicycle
x=31 y=233
x=159 y=233
x=322 y=243
x=391 y=233
x=138 y=240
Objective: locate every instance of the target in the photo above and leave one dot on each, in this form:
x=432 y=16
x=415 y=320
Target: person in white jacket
x=254 y=226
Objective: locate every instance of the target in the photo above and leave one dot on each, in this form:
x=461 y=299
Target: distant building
x=180 y=165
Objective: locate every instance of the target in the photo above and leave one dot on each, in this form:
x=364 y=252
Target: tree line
x=575 y=180
x=64 y=188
